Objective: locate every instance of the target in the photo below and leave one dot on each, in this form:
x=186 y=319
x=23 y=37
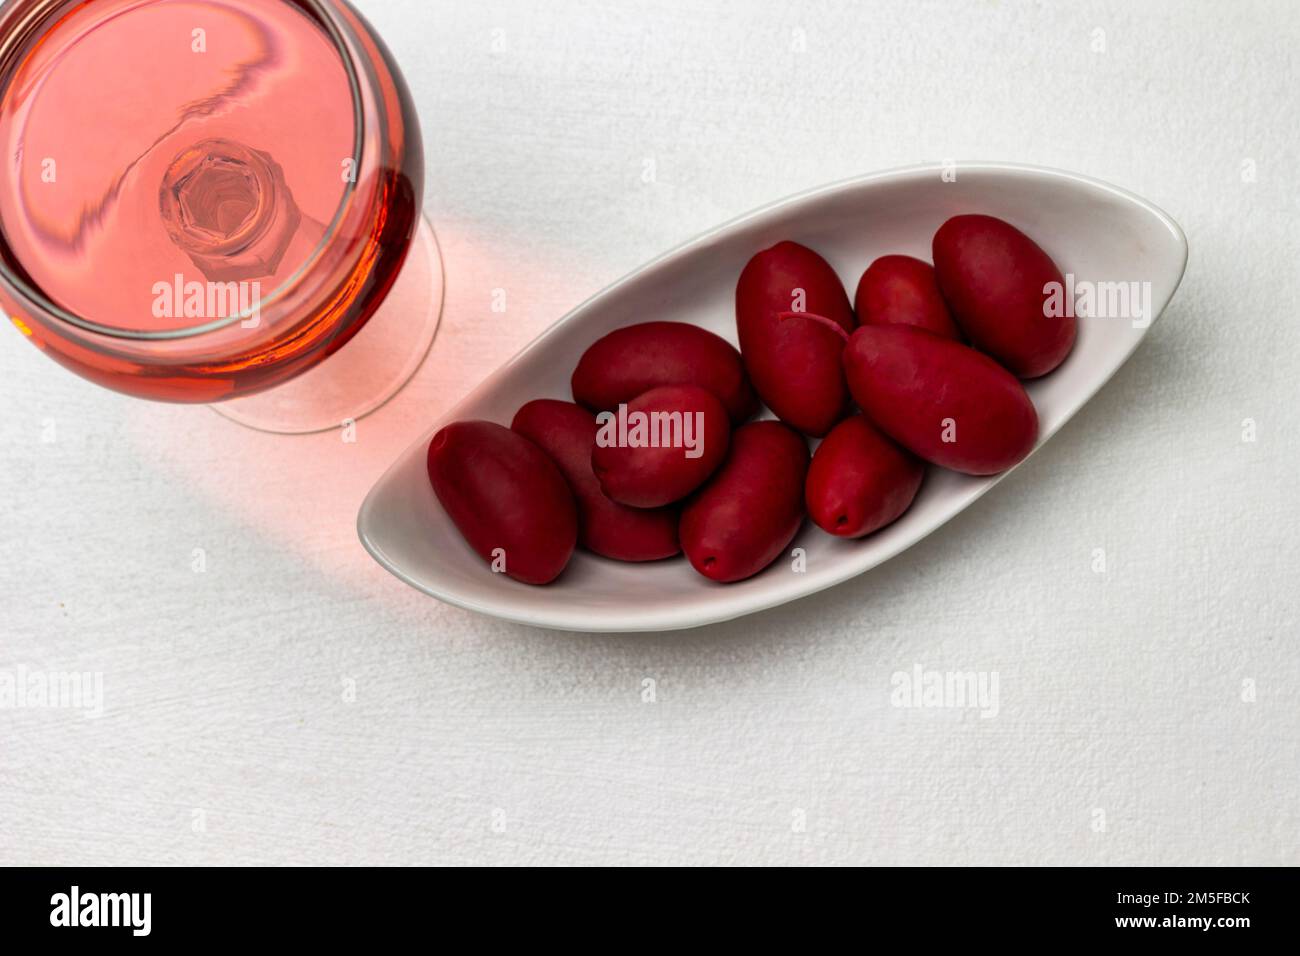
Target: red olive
x=859 y=480
x=793 y=319
x=567 y=432
x=750 y=512
x=630 y=361
x=998 y=283
x=900 y=290
x=507 y=498
x=660 y=446
x=949 y=404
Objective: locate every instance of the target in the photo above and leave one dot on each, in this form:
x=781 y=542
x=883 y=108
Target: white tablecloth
x=292 y=702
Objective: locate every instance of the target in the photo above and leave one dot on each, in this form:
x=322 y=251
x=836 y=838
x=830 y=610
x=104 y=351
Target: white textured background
x=476 y=741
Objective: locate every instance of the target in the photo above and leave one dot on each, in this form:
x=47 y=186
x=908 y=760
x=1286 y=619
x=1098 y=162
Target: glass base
x=371 y=368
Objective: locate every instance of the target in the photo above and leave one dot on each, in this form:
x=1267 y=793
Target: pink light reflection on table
x=301 y=493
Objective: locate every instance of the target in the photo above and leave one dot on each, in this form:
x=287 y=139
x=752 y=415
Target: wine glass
x=204 y=201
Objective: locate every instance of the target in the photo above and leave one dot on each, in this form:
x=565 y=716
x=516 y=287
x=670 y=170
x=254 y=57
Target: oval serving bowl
x=1094 y=231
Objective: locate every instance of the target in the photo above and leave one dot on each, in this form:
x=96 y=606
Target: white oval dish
x=1094 y=231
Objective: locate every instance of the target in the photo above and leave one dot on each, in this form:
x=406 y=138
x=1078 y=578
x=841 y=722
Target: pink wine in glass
x=199 y=199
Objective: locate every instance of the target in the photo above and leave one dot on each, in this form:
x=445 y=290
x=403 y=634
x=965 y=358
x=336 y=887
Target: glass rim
x=325 y=17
